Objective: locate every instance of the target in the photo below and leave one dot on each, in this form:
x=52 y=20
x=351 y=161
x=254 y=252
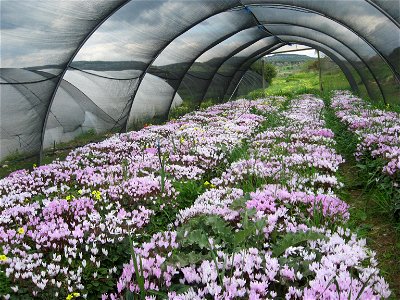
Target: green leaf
x=185 y=259
x=240 y=203
x=180 y=288
x=242 y=235
x=158 y=293
x=129 y=296
x=294 y=239
x=197 y=237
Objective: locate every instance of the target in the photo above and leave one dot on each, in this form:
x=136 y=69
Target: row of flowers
x=62 y=225
x=271 y=226
x=378 y=130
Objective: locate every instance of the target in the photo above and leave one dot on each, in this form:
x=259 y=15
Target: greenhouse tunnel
x=71 y=66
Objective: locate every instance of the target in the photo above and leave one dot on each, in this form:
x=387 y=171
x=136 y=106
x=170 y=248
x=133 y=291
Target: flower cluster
x=283 y=240
x=299 y=152
x=63 y=226
x=378 y=130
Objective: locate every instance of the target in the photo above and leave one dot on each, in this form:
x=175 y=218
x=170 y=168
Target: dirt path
x=378 y=229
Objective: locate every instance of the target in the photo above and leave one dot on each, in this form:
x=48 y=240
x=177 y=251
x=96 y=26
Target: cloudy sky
x=47 y=32
x=311 y=53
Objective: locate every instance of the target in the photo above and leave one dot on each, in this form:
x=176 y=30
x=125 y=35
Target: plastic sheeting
x=70 y=66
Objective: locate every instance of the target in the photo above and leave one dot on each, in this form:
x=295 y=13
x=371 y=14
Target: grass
x=303 y=82
x=369 y=217
x=369 y=206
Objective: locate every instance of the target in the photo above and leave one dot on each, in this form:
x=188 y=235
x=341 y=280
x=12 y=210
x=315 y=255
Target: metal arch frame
x=321 y=13
x=346 y=46
x=157 y=54
x=349 y=76
x=331 y=50
x=79 y=47
x=233 y=53
x=241 y=47
x=346 y=71
x=303 y=9
x=254 y=54
x=238 y=68
x=197 y=56
x=61 y=75
x=249 y=5
x=190 y=63
x=352 y=63
x=194 y=24
x=333 y=56
x=216 y=71
x=284 y=7
x=349 y=61
x=248 y=62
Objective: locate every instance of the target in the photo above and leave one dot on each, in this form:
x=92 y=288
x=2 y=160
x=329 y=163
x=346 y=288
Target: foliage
x=304 y=80
x=17 y=161
x=270 y=71
x=255 y=209
x=295 y=239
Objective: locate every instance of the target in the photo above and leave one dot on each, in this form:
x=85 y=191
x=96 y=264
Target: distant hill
x=288 y=58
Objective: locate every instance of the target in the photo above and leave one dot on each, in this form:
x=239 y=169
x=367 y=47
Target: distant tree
x=269 y=70
x=312 y=65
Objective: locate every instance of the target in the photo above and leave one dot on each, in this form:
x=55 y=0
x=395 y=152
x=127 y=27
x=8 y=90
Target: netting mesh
x=250 y=81
x=70 y=66
x=222 y=79
x=201 y=73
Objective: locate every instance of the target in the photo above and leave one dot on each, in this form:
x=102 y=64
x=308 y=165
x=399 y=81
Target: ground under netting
x=242 y=200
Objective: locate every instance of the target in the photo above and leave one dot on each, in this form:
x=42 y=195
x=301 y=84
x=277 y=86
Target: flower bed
x=378 y=147
x=378 y=130
x=268 y=224
x=271 y=226
x=64 y=226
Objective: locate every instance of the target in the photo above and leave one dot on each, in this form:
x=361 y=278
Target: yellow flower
x=72 y=296
x=80 y=192
x=68 y=198
x=206 y=183
x=212 y=186
x=97 y=195
x=3 y=257
x=34 y=165
x=181 y=140
x=21 y=230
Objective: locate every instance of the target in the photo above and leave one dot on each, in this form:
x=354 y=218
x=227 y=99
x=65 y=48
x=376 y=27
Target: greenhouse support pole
x=60 y=77
x=242 y=47
x=320 y=72
x=230 y=98
x=247 y=63
x=262 y=77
